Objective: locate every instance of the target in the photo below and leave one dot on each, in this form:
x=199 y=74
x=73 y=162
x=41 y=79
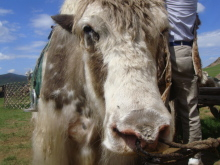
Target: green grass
x=16 y=130
x=15 y=136
x=14 y=160
x=210 y=127
x=213 y=71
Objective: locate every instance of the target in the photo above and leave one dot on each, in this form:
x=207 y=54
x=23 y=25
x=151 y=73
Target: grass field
x=15 y=136
x=213 y=71
x=16 y=130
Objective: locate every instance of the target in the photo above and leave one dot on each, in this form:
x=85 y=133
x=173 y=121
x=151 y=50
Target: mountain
x=11 y=77
x=216 y=62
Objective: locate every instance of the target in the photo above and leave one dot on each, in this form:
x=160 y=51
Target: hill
x=214 y=69
x=11 y=77
x=216 y=62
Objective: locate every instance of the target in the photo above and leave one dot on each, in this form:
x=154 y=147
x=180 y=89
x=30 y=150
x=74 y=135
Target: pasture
x=213 y=71
x=16 y=129
x=15 y=136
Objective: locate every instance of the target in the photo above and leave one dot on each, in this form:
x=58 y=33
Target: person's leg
x=186 y=93
x=186 y=107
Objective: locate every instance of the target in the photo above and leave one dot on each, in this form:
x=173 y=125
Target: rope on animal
x=186 y=151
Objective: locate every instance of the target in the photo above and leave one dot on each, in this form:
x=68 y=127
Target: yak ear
x=65 y=21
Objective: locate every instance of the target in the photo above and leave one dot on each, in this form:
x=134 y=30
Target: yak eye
x=91 y=34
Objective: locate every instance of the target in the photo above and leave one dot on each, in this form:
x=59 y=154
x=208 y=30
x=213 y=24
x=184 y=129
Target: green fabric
x=37 y=74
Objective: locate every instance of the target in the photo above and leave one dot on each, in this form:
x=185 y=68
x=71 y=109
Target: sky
x=26 y=24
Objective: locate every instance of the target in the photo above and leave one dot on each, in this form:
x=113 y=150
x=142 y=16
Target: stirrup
x=33 y=107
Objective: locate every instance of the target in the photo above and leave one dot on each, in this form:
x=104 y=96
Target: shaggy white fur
x=116 y=99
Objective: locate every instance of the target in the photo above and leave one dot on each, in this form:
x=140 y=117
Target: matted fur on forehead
x=128 y=15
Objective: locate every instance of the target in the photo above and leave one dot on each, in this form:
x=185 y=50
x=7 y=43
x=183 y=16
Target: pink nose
x=145 y=125
x=147 y=138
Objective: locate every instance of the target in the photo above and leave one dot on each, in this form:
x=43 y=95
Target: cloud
x=42 y=21
x=209 y=46
x=200 y=8
x=209 y=39
x=10 y=57
x=213 y=58
x=27 y=56
x=11 y=71
x=5 y=11
x=4 y=57
x=5 y=33
x=0 y=68
x=41 y=33
x=35 y=46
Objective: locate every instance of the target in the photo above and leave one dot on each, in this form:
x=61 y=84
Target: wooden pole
x=209 y=100
x=209 y=91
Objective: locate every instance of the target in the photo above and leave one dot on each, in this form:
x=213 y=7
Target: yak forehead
x=126 y=15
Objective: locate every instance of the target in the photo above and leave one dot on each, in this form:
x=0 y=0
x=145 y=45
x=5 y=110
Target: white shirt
x=182 y=16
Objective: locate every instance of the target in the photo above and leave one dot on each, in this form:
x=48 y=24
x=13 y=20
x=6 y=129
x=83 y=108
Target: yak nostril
x=127 y=132
x=129 y=136
x=115 y=129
